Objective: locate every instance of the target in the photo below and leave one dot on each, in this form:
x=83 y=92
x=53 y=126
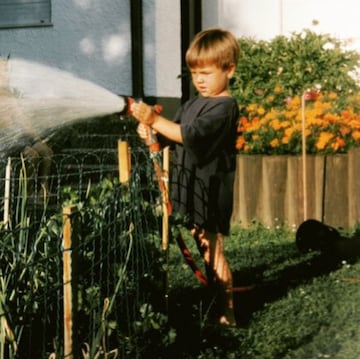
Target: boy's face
x=210 y=80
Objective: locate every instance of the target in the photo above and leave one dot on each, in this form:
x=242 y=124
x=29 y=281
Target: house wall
x=92 y=38
x=162 y=48
x=87 y=38
x=264 y=19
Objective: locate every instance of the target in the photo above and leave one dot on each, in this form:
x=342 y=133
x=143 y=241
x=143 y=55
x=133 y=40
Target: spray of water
x=36 y=99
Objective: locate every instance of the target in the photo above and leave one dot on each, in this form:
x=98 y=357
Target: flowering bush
x=279 y=130
x=279 y=82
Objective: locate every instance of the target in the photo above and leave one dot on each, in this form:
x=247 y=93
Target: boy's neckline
x=214 y=97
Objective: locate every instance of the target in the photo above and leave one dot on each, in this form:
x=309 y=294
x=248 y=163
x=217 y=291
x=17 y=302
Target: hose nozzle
x=152 y=140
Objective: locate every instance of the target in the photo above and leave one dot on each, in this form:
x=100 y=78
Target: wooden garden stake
x=7 y=192
x=124 y=161
x=67 y=283
x=304 y=168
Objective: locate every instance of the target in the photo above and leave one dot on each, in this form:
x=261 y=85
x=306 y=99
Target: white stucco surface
x=264 y=19
x=162 y=48
x=90 y=38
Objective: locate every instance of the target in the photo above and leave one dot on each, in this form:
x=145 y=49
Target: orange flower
x=289 y=131
x=285 y=124
x=240 y=142
x=328 y=128
x=251 y=108
x=344 y=130
x=346 y=114
x=308 y=132
x=275 y=124
x=243 y=124
x=339 y=143
x=356 y=135
x=331 y=118
x=323 y=140
x=261 y=111
x=290 y=114
x=285 y=140
x=274 y=143
x=332 y=95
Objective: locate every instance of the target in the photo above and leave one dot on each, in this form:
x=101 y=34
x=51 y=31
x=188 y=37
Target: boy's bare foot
x=228 y=318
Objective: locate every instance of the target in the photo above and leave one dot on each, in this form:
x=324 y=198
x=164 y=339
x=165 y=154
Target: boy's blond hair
x=213 y=47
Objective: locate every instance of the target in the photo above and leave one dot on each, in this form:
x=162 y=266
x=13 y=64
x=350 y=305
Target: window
x=23 y=13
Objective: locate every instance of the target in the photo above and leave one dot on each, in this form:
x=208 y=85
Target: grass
x=288 y=304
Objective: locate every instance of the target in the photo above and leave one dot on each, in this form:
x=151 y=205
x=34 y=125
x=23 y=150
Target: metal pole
x=136 y=13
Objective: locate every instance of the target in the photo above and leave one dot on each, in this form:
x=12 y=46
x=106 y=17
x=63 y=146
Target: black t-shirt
x=204 y=165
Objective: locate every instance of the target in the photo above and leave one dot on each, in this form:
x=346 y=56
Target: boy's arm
x=167 y=128
x=146 y=115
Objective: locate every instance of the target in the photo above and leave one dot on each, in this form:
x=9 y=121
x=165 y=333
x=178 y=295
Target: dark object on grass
x=313 y=235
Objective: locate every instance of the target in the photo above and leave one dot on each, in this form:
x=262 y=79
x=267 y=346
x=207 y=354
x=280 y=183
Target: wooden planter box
x=270 y=189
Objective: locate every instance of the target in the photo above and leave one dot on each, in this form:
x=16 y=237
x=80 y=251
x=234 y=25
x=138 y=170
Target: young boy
x=204 y=133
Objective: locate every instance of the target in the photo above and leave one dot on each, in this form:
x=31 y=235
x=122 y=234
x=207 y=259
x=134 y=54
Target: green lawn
x=288 y=304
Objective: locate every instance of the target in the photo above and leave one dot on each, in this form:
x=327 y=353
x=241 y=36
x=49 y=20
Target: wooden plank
x=354 y=186
x=247 y=189
x=336 y=197
x=274 y=189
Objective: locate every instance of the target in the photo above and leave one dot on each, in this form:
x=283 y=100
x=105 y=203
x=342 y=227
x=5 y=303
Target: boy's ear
x=231 y=70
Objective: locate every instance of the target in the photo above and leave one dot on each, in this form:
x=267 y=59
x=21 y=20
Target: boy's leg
x=218 y=270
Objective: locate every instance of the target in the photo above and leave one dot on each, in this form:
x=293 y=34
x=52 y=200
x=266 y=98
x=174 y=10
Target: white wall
x=264 y=19
x=162 y=53
x=90 y=38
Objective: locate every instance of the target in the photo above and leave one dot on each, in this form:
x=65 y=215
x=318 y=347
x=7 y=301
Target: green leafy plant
x=24 y=274
x=278 y=82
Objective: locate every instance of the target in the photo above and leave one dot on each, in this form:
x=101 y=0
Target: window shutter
x=22 y=13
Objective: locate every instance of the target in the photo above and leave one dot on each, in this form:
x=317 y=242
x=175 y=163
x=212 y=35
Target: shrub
x=278 y=82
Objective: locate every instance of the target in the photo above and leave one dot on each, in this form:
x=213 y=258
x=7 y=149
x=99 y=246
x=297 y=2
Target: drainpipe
x=191 y=24
x=136 y=12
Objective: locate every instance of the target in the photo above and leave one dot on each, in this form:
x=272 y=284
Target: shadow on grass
x=262 y=274
x=192 y=313
x=252 y=290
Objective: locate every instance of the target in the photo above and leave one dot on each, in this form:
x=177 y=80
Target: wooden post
x=124 y=161
x=67 y=284
x=7 y=192
x=304 y=164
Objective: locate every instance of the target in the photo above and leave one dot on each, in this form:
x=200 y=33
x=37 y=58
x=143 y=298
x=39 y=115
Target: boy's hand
x=143 y=113
x=143 y=131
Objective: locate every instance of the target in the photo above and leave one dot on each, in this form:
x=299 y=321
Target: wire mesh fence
x=115 y=251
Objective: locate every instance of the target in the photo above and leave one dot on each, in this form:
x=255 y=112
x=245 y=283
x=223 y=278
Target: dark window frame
x=191 y=24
